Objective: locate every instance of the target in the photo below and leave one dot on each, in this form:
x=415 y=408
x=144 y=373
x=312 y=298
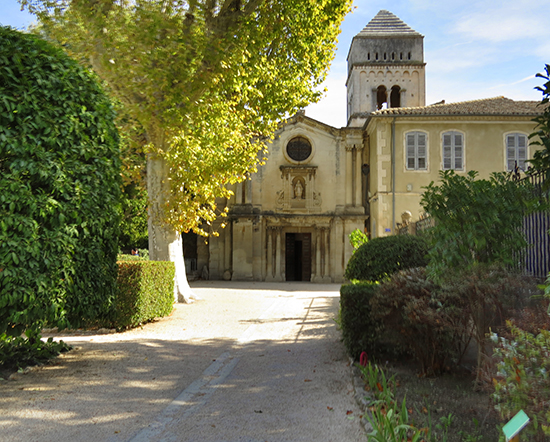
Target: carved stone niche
x=298 y=190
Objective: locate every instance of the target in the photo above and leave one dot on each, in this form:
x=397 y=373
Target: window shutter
x=447 y=152
x=459 y=152
x=411 y=151
x=522 y=151
x=421 y=152
x=510 y=151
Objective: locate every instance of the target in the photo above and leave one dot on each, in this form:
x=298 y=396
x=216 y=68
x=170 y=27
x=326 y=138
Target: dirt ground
x=431 y=399
x=446 y=404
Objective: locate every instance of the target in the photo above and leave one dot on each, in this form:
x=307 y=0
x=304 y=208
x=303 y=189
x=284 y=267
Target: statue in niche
x=298 y=190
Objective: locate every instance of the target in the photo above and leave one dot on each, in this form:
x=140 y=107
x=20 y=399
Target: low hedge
x=145 y=291
x=359 y=331
x=381 y=257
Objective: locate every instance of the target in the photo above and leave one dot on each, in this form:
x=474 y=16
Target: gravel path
x=249 y=362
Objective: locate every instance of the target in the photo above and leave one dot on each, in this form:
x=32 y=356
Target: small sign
x=515 y=425
x=388 y=230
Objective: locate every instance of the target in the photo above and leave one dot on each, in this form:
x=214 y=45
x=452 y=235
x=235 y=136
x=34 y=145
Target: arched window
x=453 y=150
x=395 y=96
x=299 y=149
x=381 y=96
x=416 y=150
x=516 y=151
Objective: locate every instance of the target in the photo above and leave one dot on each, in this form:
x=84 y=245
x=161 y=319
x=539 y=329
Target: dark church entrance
x=298 y=257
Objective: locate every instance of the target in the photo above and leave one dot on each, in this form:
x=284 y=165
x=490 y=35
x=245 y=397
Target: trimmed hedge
x=145 y=291
x=59 y=190
x=381 y=257
x=359 y=331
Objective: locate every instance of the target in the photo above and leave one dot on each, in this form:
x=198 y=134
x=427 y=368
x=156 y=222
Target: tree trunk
x=165 y=243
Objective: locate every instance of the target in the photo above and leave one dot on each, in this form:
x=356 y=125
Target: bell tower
x=385 y=68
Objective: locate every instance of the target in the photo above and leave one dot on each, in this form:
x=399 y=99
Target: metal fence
x=536 y=227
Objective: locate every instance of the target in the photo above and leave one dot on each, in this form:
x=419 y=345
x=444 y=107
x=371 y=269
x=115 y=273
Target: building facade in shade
x=291 y=220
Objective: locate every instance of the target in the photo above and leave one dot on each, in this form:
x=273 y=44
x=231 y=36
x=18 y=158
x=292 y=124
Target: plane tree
x=207 y=81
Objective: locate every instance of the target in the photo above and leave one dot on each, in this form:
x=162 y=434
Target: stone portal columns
x=349 y=175
x=278 y=256
x=269 y=273
x=353 y=176
x=326 y=272
x=322 y=255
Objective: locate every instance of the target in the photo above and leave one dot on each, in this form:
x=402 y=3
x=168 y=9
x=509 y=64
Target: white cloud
x=501 y=26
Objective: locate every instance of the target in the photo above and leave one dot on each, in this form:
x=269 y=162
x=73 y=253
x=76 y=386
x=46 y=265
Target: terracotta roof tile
x=488 y=106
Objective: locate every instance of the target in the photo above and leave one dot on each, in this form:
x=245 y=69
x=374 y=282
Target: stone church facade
x=291 y=220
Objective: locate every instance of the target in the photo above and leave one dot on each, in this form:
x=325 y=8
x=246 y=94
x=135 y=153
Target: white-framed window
x=516 y=151
x=453 y=150
x=416 y=148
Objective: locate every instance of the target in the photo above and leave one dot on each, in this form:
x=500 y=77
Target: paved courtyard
x=249 y=362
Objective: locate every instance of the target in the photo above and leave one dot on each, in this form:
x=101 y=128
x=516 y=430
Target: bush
x=419 y=318
x=476 y=221
x=381 y=257
x=145 y=291
x=359 y=331
x=522 y=381
x=59 y=190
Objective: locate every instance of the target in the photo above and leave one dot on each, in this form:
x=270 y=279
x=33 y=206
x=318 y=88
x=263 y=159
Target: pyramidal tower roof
x=387 y=24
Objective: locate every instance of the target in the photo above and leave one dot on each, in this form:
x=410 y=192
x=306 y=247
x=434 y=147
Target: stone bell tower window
x=395 y=97
x=299 y=149
x=381 y=96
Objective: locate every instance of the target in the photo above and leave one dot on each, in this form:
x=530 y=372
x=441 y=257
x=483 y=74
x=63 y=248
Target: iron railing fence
x=535 y=260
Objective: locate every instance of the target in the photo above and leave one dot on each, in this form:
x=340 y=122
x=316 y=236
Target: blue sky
x=473 y=50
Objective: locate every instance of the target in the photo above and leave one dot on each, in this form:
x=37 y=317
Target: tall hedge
x=381 y=257
x=59 y=189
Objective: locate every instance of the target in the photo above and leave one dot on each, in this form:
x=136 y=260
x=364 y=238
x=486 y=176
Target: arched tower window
x=395 y=96
x=381 y=96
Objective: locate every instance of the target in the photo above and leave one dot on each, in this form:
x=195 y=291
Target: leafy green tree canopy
x=208 y=80
x=59 y=189
x=476 y=221
x=541 y=136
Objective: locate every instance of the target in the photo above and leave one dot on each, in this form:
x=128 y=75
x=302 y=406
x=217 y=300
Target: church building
x=291 y=220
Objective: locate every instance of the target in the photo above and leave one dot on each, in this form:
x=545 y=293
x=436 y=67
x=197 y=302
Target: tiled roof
x=488 y=106
x=386 y=23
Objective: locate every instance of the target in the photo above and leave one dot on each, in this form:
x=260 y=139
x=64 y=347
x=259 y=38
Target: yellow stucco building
x=292 y=219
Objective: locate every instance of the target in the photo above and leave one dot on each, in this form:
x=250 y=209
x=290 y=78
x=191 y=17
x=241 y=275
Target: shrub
x=381 y=257
x=491 y=294
x=359 y=331
x=476 y=221
x=145 y=291
x=419 y=318
x=523 y=381
x=59 y=190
